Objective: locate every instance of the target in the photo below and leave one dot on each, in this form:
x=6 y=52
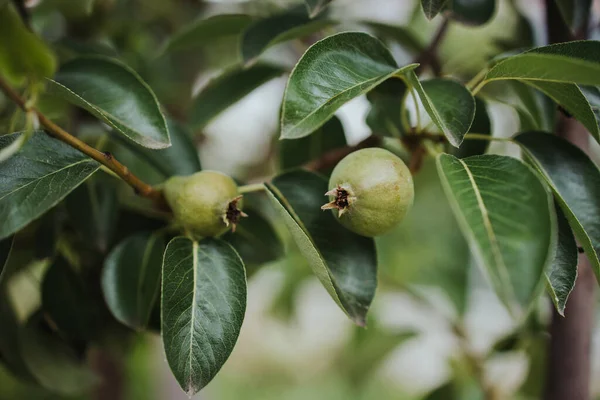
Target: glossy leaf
x=203 y=306
x=23 y=55
x=53 y=170
x=575 y=13
x=574 y=62
x=344 y=262
x=431 y=8
x=115 y=94
x=228 y=88
x=316 y=6
x=575 y=181
x=570 y=97
x=332 y=72
x=279 y=28
x=449 y=104
x=562 y=273
x=295 y=153
x=206 y=30
x=473 y=12
x=255 y=240
x=131 y=278
x=481 y=125
x=66 y=300
x=505 y=213
x=52 y=362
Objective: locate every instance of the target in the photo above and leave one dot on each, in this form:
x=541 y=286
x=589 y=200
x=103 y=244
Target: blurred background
x=435 y=325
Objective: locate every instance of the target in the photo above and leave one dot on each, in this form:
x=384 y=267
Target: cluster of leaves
x=103 y=255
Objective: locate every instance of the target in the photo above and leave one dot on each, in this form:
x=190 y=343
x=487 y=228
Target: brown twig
x=429 y=56
x=332 y=157
x=105 y=159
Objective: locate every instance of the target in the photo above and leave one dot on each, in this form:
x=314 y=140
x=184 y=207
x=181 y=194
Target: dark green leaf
x=562 y=273
x=574 y=62
x=131 y=278
x=5 y=249
x=10 y=336
x=316 y=6
x=53 y=363
x=448 y=103
x=114 y=93
x=344 y=262
x=576 y=13
x=332 y=72
x=295 y=153
x=204 y=31
x=592 y=94
x=473 y=12
x=23 y=56
x=226 y=89
x=37 y=178
x=66 y=299
x=431 y=8
x=386 y=100
x=570 y=97
x=255 y=240
x=93 y=210
x=505 y=214
x=481 y=125
x=575 y=181
x=264 y=33
x=203 y=306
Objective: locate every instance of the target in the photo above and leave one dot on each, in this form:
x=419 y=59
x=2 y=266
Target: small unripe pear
x=206 y=203
x=371 y=191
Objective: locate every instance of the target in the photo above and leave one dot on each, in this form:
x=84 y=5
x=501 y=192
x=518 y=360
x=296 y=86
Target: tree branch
x=105 y=159
x=429 y=56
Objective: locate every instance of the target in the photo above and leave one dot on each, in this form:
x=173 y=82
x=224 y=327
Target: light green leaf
x=570 y=97
x=575 y=181
x=574 y=62
x=562 y=274
x=23 y=56
x=52 y=362
x=289 y=25
x=295 y=153
x=449 y=104
x=505 y=214
x=206 y=30
x=228 y=88
x=344 y=262
x=131 y=278
x=316 y=6
x=37 y=178
x=203 y=306
x=115 y=94
x=332 y=72
x=431 y=8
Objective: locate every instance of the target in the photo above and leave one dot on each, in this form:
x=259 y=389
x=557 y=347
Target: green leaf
x=206 y=30
x=23 y=56
x=505 y=213
x=344 y=262
x=386 y=100
x=570 y=97
x=316 y=6
x=131 y=278
x=179 y=159
x=576 y=13
x=5 y=250
x=449 y=104
x=67 y=301
x=93 y=211
x=592 y=94
x=37 y=178
x=431 y=8
x=473 y=12
x=10 y=336
x=267 y=32
x=481 y=125
x=295 y=153
x=399 y=34
x=115 y=94
x=574 y=62
x=562 y=274
x=203 y=306
x=52 y=362
x=332 y=72
x=228 y=88
x=575 y=181
x=255 y=240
